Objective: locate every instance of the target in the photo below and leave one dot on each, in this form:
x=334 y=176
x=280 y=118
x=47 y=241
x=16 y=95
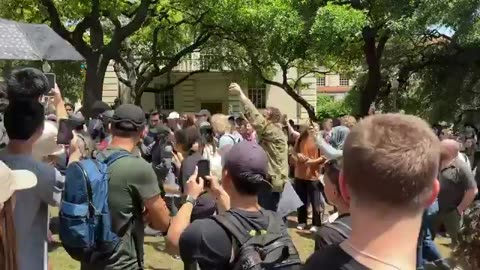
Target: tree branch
x=55 y=20
x=140 y=16
x=118 y=72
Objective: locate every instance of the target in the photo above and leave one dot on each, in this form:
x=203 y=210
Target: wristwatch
x=191 y=200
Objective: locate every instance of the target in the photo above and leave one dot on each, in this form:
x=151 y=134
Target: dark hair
x=69 y=105
x=331 y=169
x=207 y=136
x=303 y=135
x=27 y=112
x=248 y=183
x=126 y=129
x=27 y=83
x=154 y=112
x=190 y=120
x=188 y=137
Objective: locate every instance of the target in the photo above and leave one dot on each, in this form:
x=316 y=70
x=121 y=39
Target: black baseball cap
x=246 y=157
x=128 y=116
x=204 y=112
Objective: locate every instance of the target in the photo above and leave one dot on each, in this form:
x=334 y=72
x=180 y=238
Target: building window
x=258 y=96
x=164 y=100
x=321 y=81
x=344 y=80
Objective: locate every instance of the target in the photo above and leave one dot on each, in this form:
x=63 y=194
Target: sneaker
x=313 y=229
x=301 y=227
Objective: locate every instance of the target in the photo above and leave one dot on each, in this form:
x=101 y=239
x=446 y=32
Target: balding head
x=449 y=149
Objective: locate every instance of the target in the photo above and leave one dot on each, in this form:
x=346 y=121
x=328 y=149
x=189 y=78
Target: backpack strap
x=340 y=227
x=228 y=221
x=115 y=156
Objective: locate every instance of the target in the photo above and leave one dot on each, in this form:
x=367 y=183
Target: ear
x=434 y=194
x=344 y=188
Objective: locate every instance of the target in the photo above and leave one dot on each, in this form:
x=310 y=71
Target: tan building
x=210 y=91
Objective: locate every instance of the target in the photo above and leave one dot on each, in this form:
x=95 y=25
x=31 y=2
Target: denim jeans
x=427 y=251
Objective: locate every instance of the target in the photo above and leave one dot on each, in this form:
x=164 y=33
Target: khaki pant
x=452 y=222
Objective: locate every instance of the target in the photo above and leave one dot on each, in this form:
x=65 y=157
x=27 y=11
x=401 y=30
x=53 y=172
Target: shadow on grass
x=54 y=225
x=157 y=242
x=52 y=246
x=306 y=234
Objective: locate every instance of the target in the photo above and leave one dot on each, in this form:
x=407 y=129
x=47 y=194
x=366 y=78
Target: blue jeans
x=427 y=251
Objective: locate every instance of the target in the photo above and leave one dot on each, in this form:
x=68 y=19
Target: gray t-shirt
x=455 y=180
x=31 y=209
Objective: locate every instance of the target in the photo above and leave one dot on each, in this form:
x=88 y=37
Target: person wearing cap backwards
x=205 y=241
x=273 y=140
x=10 y=183
x=133 y=192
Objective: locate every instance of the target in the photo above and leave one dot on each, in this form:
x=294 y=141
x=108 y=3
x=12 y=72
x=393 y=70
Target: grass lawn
x=157 y=259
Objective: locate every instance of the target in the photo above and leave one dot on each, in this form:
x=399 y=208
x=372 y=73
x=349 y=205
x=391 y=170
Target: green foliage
x=327 y=107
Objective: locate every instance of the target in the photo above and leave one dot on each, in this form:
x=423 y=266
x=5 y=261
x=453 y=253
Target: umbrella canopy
x=24 y=41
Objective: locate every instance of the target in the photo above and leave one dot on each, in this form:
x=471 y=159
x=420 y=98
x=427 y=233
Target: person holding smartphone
x=188 y=142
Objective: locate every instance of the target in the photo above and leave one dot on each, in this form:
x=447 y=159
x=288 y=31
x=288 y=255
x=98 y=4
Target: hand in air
x=234 y=88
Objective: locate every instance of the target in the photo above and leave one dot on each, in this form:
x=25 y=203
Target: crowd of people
x=378 y=190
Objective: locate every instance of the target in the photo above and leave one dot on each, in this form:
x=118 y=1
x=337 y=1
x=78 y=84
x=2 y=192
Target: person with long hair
x=307 y=185
x=189 y=142
x=10 y=182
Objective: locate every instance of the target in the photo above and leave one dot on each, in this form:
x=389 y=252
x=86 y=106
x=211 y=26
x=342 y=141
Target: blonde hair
x=391 y=159
x=348 y=121
x=220 y=124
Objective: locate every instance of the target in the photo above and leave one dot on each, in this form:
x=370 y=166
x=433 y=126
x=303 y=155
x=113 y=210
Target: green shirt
x=132 y=181
x=273 y=140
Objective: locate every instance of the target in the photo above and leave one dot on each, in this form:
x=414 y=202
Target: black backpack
x=260 y=250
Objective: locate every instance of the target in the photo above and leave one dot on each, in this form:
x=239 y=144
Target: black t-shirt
x=334 y=233
x=206 y=205
x=208 y=244
x=332 y=257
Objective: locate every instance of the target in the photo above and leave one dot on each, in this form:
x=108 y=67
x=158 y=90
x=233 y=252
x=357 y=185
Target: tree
x=327 y=107
x=98 y=30
x=171 y=39
x=276 y=36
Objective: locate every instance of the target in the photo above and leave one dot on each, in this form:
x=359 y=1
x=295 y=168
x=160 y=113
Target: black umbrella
x=24 y=41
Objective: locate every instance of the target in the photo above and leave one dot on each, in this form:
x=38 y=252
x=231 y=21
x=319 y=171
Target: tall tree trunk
x=373 y=54
x=95 y=75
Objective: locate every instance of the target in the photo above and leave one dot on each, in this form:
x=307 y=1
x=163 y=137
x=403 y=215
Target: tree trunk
x=298 y=98
x=138 y=95
x=95 y=76
x=374 y=75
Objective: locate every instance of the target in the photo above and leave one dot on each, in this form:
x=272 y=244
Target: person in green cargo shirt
x=273 y=140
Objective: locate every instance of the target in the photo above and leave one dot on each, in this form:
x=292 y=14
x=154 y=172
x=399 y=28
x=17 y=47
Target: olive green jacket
x=273 y=140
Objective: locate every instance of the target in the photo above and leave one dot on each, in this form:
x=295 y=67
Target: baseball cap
x=204 y=112
x=47 y=145
x=129 y=114
x=173 y=115
x=246 y=157
x=13 y=180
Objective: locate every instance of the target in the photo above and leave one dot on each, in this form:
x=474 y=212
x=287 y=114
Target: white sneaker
x=313 y=229
x=301 y=226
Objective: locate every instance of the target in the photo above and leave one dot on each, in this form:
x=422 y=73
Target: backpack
x=235 y=140
x=260 y=250
x=340 y=227
x=85 y=222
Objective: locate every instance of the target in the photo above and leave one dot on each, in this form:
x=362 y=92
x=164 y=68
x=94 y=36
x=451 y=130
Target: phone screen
x=203 y=169
x=65 y=134
x=51 y=80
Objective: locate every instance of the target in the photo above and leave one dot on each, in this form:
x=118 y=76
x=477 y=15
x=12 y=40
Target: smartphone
x=52 y=80
x=65 y=134
x=203 y=166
